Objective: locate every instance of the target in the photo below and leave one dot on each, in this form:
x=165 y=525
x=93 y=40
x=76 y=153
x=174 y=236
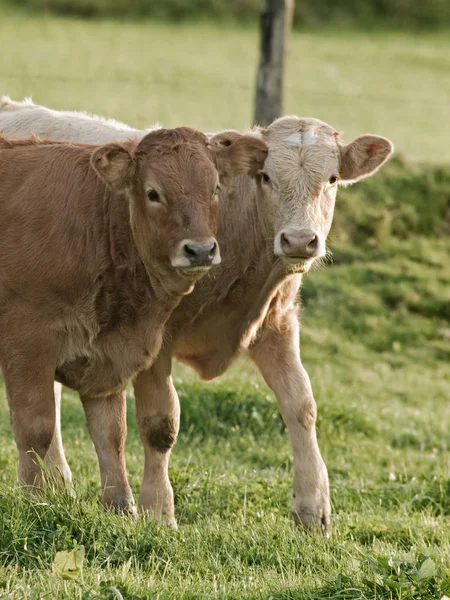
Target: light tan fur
x=250 y=304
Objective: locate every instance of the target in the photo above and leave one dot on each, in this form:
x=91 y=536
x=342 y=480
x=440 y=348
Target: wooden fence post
x=276 y=19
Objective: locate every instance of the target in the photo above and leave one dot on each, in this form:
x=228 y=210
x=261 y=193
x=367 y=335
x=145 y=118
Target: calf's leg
x=276 y=352
x=29 y=387
x=158 y=416
x=107 y=425
x=55 y=458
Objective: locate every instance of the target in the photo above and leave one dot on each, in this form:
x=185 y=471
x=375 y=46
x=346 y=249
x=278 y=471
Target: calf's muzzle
x=201 y=255
x=299 y=243
x=193 y=254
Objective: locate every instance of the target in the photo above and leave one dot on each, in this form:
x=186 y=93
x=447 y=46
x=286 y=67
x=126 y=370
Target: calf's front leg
x=107 y=424
x=158 y=416
x=276 y=352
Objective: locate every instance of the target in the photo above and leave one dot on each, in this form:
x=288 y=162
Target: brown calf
x=98 y=246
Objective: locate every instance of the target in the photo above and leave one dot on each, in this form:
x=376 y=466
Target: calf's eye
x=265 y=177
x=153 y=196
x=333 y=179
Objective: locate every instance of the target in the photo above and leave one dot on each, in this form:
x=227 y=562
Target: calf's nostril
x=284 y=240
x=190 y=251
x=313 y=244
x=213 y=250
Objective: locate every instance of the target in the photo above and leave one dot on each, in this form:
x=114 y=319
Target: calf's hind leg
x=55 y=458
x=107 y=425
x=29 y=387
x=158 y=415
x=277 y=354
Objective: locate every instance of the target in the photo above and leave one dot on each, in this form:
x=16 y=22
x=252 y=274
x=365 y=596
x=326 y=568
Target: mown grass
x=375 y=341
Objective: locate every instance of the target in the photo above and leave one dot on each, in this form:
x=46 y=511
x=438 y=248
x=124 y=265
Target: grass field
x=375 y=341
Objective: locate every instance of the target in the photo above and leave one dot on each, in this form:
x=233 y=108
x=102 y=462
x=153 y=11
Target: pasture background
x=375 y=335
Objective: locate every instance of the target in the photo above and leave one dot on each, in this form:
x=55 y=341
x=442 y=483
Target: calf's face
x=305 y=165
x=172 y=178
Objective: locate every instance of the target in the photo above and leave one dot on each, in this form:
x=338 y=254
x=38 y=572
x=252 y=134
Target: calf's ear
x=363 y=157
x=238 y=154
x=114 y=164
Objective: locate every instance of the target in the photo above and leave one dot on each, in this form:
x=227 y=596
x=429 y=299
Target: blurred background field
x=204 y=75
x=308 y=13
x=375 y=325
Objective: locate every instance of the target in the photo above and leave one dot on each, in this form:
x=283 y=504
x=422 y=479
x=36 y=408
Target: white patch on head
x=301 y=138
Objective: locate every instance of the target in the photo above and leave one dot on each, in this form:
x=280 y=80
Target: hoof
x=164 y=519
x=312 y=521
x=129 y=510
x=170 y=522
x=125 y=506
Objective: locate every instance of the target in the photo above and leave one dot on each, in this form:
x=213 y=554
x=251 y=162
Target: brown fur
x=86 y=281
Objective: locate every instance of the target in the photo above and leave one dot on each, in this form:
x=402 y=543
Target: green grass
x=375 y=341
x=380 y=374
